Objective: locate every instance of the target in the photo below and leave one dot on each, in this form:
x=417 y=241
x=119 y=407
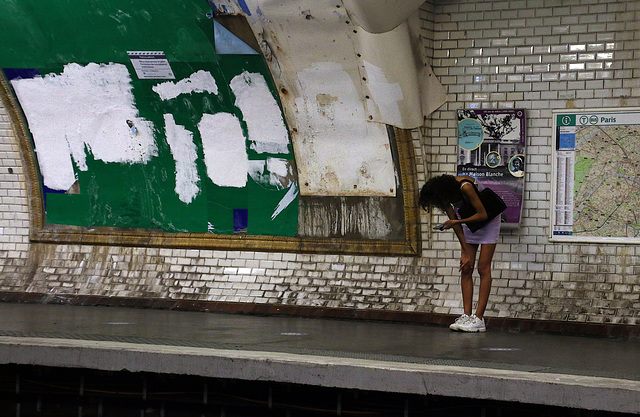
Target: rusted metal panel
x=341 y=83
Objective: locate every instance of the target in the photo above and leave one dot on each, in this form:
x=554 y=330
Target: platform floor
x=569 y=371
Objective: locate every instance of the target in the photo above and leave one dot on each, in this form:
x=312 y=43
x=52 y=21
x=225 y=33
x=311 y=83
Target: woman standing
x=448 y=192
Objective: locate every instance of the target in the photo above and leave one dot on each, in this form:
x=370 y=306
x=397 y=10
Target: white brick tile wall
x=534 y=54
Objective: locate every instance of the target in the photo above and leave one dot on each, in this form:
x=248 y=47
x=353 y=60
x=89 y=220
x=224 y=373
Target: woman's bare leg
x=484 y=269
x=466 y=282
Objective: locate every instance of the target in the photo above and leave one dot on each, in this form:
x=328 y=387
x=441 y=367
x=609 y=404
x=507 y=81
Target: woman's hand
x=465 y=261
x=449 y=223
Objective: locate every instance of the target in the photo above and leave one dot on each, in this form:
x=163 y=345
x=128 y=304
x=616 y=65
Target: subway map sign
x=596 y=176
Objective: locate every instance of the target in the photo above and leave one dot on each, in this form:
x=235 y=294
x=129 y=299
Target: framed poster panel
x=159 y=140
x=491 y=148
x=596 y=176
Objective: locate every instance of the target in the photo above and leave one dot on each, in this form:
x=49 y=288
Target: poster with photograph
x=491 y=148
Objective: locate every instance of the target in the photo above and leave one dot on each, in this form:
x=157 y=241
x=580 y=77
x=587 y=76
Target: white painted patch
x=286 y=201
x=386 y=95
x=199 y=82
x=261 y=113
x=279 y=168
x=184 y=153
x=272 y=172
x=225 y=149
x=340 y=153
x=84 y=109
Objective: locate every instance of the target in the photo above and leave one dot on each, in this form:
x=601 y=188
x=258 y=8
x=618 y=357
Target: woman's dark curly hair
x=440 y=192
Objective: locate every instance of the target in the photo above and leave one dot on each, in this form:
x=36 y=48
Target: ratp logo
x=588 y=120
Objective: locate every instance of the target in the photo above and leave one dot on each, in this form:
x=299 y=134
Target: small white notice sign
x=151 y=65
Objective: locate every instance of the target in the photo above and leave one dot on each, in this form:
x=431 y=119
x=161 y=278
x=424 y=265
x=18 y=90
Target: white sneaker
x=473 y=324
x=463 y=319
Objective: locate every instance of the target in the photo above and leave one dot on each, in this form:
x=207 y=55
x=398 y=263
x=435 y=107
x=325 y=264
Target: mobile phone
x=438 y=227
